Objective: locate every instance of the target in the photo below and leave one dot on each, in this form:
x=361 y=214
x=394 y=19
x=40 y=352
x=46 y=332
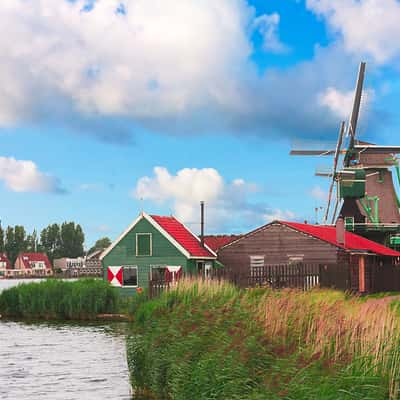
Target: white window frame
x=151 y=245
x=137 y=276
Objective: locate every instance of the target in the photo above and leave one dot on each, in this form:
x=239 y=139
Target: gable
x=277 y=243
x=125 y=247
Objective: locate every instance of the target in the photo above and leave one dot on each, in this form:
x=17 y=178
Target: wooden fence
x=304 y=276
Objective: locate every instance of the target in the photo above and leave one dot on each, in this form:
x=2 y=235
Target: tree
x=72 y=239
x=1 y=239
x=32 y=242
x=100 y=244
x=50 y=241
x=15 y=242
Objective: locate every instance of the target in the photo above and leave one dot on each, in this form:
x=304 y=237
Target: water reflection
x=68 y=362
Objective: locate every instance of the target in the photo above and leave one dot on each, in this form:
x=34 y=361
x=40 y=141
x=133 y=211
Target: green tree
x=100 y=244
x=50 y=241
x=32 y=242
x=72 y=239
x=15 y=242
x=1 y=239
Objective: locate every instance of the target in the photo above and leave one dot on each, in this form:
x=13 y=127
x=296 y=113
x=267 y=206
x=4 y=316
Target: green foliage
x=15 y=242
x=58 y=299
x=100 y=244
x=213 y=341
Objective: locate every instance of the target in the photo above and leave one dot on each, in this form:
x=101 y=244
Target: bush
x=59 y=299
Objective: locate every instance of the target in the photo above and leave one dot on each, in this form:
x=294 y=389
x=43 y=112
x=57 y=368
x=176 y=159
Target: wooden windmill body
x=365 y=193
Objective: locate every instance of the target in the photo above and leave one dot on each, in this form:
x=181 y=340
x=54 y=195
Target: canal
x=62 y=361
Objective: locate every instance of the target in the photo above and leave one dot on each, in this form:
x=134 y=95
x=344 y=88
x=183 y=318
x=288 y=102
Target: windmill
x=362 y=179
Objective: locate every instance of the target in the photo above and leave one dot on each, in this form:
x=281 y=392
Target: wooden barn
x=157 y=248
x=357 y=260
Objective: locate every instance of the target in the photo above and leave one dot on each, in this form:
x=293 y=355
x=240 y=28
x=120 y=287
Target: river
x=46 y=361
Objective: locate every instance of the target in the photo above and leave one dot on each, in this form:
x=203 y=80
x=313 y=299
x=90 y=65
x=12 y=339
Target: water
x=62 y=361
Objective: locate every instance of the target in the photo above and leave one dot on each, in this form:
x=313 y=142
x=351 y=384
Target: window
x=165 y=273
x=129 y=276
x=143 y=244
x=157 y=272
x=256 y=263
x=295 y=258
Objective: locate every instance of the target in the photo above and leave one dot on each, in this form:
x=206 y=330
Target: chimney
x=202 y=223
x=340 y=231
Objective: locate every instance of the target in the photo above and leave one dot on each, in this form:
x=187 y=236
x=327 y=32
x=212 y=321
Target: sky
x=113 y=107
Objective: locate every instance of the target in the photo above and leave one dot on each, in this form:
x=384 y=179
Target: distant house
x=93 y=259
x=33 y=264
x=66 y=263
x=281 y=242
x=5 y=265
x=155 y=247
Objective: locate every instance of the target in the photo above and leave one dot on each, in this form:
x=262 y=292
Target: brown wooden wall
x=276 y=242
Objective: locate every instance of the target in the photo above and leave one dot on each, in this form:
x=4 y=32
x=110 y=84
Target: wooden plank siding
x=277 y=243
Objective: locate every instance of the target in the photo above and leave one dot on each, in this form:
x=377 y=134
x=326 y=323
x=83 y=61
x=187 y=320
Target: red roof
x=215 y=242
x=3 y=258
x=27 y=258
x=183 y=236
x=352 y=241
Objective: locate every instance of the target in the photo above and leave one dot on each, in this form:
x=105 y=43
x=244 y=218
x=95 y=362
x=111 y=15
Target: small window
x=256 y=264
x=129 y=276
x=143 y=244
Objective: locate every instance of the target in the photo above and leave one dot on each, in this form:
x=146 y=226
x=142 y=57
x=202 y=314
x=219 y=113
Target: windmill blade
x=312 y=152
x=356 y=105
x=335 y=164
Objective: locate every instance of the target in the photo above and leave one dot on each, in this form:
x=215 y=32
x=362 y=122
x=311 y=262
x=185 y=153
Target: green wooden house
x=155 y=247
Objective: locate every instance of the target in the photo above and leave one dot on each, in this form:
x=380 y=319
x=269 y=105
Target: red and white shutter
x=115 y=276
x=174 y=273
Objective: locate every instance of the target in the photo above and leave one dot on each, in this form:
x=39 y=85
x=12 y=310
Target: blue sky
x=103 y=113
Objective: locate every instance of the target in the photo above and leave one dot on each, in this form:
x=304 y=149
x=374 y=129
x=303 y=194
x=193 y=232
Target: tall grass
x=344 y=331
x=210 y=340
x=58 y=299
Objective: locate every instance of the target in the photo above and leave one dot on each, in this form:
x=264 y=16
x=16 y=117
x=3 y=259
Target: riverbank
x=53 y=299
x=214 y=341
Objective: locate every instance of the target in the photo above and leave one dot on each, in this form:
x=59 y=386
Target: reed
x=210 y=340
x=58 y=299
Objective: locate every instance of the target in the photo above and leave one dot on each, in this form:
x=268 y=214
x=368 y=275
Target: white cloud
x=319 y=194
x=228 y=204
x=340 y=103
x=160 y=58
x=24 y=176
x=281 y=215
x=268 y=26
x=368 y=27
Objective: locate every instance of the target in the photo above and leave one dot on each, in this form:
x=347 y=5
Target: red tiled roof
x=182 y=235
x=352 y=241
x=3 y=258
x=215 y=242
x=34 y=257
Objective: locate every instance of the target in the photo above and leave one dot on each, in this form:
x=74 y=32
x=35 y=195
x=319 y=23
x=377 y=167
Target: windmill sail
x=335 y=163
